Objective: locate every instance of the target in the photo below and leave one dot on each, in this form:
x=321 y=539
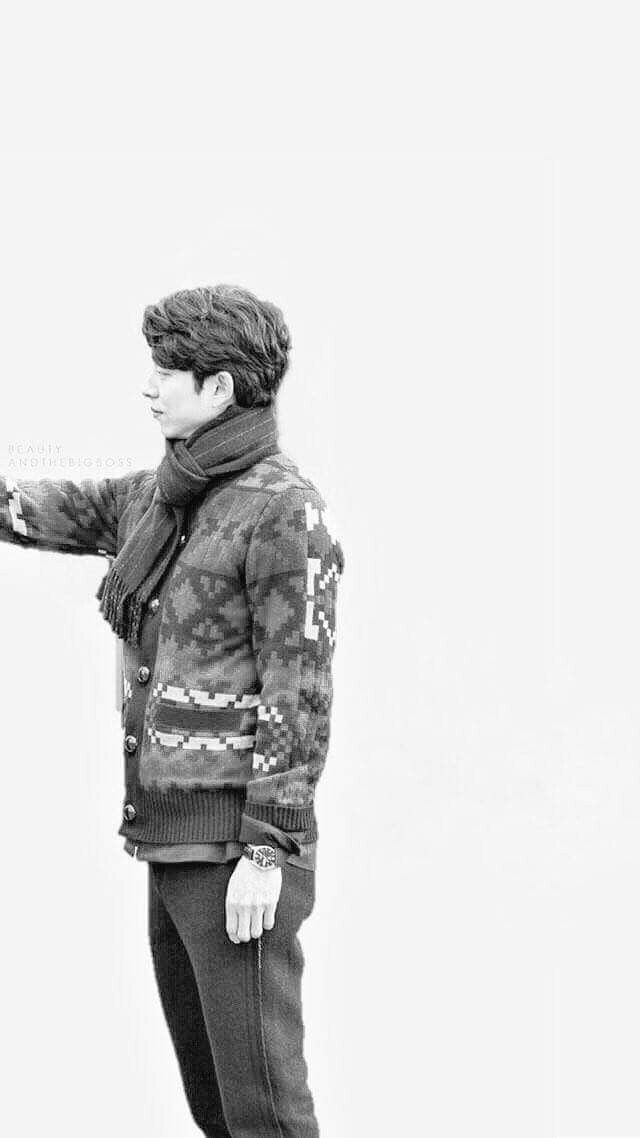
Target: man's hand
x=252 y=896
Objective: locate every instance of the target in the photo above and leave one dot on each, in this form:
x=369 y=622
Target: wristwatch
x=265 y=857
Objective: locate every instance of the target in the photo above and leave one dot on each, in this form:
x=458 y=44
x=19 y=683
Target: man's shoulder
x=291 y=504
x=134 y=480
x=278 y=477
x=133 y=486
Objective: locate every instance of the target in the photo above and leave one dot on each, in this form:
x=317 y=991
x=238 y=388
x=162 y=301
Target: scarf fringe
x=122 y=610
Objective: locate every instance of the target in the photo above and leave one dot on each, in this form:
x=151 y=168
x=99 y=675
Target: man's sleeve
x=261 y=833
x=64 y=516
x=293 y=566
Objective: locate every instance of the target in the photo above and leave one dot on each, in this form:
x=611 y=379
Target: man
x=222 y=591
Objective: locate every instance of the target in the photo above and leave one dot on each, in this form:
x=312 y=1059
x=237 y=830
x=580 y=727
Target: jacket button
x=129 y=812
x=153 y=605
x=131 y=743
x=143 y=674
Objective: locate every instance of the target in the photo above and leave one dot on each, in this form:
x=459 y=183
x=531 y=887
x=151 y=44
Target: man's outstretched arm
x=64 y=516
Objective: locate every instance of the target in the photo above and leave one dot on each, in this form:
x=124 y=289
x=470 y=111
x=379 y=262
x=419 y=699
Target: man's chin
x=172 y=432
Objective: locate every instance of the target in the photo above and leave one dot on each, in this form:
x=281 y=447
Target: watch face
x=265 y=856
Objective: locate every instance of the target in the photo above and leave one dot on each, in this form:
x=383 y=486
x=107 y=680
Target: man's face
x=178 y=406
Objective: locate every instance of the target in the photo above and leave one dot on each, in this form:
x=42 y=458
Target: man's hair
x=222 y=328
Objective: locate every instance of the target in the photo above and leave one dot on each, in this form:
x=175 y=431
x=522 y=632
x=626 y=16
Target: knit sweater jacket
x=233 y=720
x=130 y=700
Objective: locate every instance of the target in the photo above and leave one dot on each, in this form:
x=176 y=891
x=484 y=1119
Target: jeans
x=234 y=1011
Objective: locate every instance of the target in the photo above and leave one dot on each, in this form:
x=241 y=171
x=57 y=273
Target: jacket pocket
x=219 y=727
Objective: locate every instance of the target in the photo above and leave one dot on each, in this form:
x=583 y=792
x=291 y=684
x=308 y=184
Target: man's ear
x=224 y=385
x=218 y=388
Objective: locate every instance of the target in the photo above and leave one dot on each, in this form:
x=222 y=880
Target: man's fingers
x=256 y=920
x=244 y=922
x=269 y=918
x=232 y=922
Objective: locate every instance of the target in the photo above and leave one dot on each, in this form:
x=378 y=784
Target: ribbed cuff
x=288 y=818
x=261 y=833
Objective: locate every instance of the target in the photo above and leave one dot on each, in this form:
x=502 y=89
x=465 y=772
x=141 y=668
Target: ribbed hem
x=184 y=815
x=206 y=816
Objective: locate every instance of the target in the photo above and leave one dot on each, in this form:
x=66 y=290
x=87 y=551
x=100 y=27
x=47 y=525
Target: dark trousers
x=234 y=1011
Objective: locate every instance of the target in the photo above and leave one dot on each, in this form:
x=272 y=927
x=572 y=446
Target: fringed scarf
x=232 y=442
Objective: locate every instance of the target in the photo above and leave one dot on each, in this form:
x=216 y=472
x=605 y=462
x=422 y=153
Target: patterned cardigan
x=231 y=718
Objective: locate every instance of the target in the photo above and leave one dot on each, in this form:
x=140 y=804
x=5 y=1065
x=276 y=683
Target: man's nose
x=150 y=390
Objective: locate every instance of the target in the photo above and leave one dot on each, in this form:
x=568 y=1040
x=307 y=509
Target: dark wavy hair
x=221 y=328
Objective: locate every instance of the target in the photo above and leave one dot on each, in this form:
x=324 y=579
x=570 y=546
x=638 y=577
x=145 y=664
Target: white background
x=444 y=202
